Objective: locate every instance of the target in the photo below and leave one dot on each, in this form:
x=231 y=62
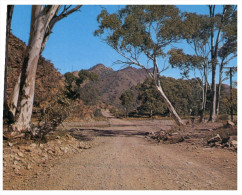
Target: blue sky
x=72 y=45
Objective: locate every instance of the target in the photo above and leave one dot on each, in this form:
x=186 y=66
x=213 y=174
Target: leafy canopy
x=126 y=98
x=140 y=29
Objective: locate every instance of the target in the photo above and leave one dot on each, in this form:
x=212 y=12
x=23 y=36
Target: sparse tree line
x=144 y=100
x=141 y=35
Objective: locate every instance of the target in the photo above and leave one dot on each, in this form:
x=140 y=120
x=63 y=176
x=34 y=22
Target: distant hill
x=112 y=83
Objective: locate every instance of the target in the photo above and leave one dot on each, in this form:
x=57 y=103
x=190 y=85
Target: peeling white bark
x=14 y=99
x=39 y=23
x=173 y=112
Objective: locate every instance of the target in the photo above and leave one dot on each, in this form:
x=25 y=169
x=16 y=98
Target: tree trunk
x=175 y=116
x=151 y=113
x=39 y=22
x=14 y=100
x=213 y=106
x=212 y=116
x=231 y=95
x=205 y=91
x=214 y=53
x=9 y=21
x=204 y=101
x=219 y=89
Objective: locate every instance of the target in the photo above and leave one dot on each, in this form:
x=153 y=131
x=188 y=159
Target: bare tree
x=43 y=19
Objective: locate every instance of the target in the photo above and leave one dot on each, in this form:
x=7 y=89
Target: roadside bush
x=56 y=110
x=113 y=110
x=98 y=113
x=223 y=117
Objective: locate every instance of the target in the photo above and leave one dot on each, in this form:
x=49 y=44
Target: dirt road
x=124 y=160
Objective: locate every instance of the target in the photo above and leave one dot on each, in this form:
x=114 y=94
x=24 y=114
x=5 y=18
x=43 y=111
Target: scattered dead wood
x=166 y=137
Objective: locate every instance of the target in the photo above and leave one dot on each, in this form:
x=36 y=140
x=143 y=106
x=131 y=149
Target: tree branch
x=55 y=19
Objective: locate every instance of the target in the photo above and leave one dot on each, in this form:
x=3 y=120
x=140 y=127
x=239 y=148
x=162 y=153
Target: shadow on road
x=86 y=135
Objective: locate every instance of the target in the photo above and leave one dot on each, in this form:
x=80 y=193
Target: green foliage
x=185 y=62
x=98 y=113
x=53 y=112
x=224 y=117
x=184 y=94
x=127 y=100
x=86 y=75
x=225 y=102
x=113 y=110
x=180 y=92
x=69 y=78
x=195 y=28
x=140 y=29
x=89 y=95
x=228 y=26
x=151 y=100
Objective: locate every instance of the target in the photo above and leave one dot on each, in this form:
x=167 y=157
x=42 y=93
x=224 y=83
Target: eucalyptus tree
x=43 y=19
x=140 y=34
x=127 y=98
x=213 y=38
x=222 y=26
x=150 y=99
x=195 y=31
x=228 y=50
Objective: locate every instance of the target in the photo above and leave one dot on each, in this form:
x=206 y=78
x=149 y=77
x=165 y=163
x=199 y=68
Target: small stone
x=83 y=146
x=10 y=144
x=62 y=149
x=58 y=137
x=20 y=154
x=68 y=136
x=66 y=150
x=49 y=152
x=16 y=167
x=58 y=142
x=28 y=167
x=44 y=155
x=87 y=147
x=15 y=162
x=16 y=158
x=41 y=146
